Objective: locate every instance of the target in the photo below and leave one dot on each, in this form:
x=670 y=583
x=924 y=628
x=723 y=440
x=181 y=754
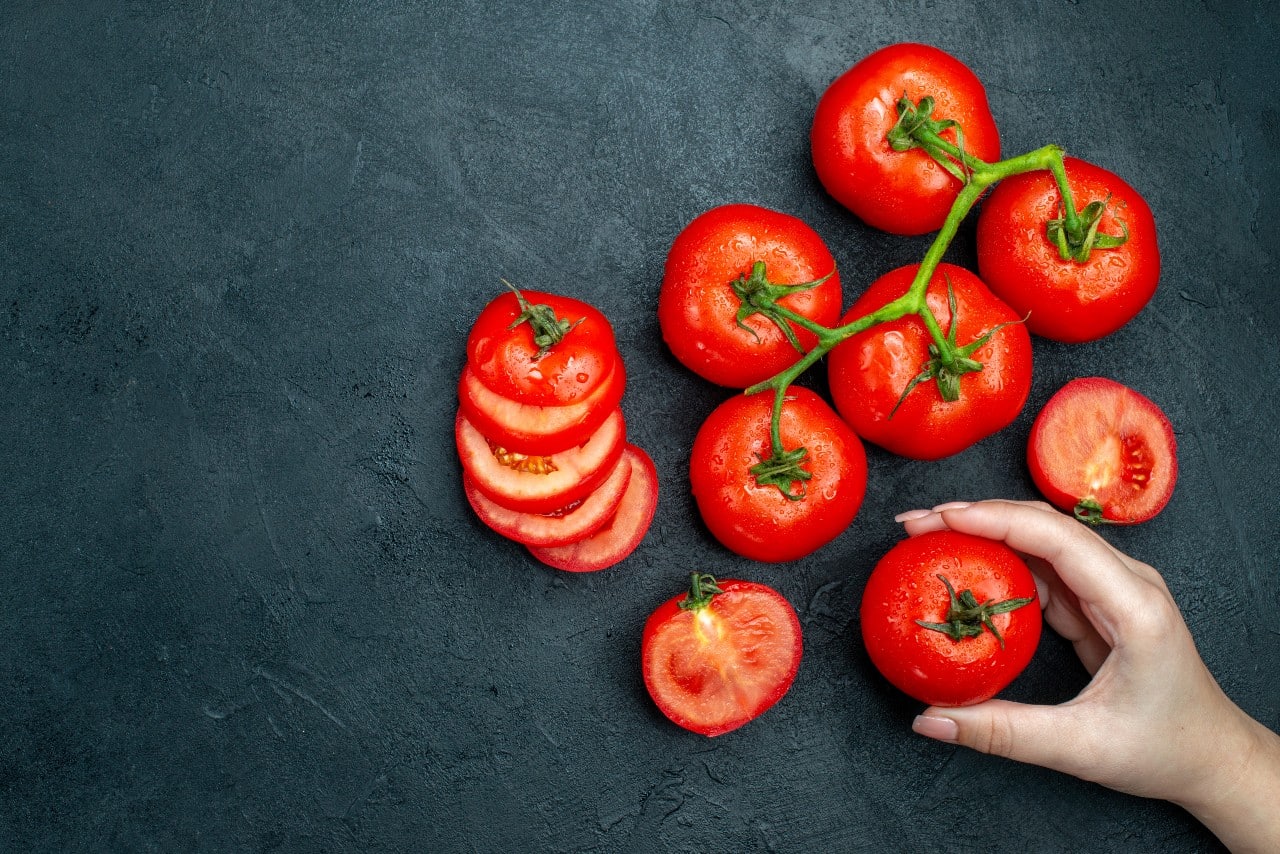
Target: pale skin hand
x=1152 y=721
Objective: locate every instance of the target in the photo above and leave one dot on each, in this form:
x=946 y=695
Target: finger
x=1050 y=736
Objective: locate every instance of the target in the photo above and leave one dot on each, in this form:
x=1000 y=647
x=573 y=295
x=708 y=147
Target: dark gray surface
x=245 y=604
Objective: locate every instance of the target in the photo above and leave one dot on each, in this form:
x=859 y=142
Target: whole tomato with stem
x=894 y=137
x=777 y=507
x=1075 y=281
x=877 y=376
x=716 y=270
x=950 y=618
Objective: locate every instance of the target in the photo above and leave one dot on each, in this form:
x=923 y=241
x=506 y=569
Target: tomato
x=1068 y=300
x=903 y=192
x=568 y=525
x=758 y=521
x=698 y=307
x=539 y=484
x=869 y=372
x=530 y=429
x=1103 y=451
x=505 y=356
x=721 y=655
x=991 y=598
x=621 y=535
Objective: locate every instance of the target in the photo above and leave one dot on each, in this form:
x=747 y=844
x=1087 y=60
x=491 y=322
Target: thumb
x=1041 y=735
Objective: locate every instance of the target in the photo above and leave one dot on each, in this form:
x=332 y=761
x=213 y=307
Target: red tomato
x=980 y=638
x=529 y=429
x=539 y=484
x=620 y=536
x=1104 y=451
x=505 y=355
x=698 y=308
x=569 y=525
x=869 y=372
x=721 y=655
x=1068 y=300
x=759 y=522
x=903 y=192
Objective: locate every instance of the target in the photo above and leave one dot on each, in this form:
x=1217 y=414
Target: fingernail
x=912 y=514
x=942 y=729
x=951 y=505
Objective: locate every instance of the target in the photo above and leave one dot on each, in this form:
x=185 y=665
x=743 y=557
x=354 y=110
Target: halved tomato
x=539 y=484
x=528 y=429
x=569 y=525
x=1103 y=451
x=620 y=535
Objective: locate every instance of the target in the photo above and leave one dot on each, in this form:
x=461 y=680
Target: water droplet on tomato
x=582 y=377
x=534 y=373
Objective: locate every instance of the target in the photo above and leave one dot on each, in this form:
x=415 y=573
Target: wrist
x=1238 y=800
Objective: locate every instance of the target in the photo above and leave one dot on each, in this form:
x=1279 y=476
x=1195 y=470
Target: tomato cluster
x=541 y=435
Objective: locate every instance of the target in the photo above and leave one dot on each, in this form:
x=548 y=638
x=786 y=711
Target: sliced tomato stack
x=541 y=434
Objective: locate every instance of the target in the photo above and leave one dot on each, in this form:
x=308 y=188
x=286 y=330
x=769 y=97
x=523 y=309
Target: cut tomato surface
x=529 y=429
x=539 y=484
x=1103 y=451
x=713 y=667
x=619 y=536
x=554 y=529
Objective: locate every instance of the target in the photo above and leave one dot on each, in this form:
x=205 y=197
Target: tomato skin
x=713 y=670
x=697 y=307
x=1068 y=301
x=1098 y=439
x=869 y=371
x=926 y=664
x=758 y=522
x=902 y=192
x=503 y=358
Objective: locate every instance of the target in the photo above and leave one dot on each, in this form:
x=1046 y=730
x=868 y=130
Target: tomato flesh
x=622 y=534
x=1103 y=445
x=714 y=669
x=572 y=524
x=529 y=429
x=539 y=484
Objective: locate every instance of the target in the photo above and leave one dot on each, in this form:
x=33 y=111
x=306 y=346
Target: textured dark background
x=245 y=605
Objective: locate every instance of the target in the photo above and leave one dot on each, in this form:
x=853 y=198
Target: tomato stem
x=967 y=618
x=548 y=330
x=702 y=588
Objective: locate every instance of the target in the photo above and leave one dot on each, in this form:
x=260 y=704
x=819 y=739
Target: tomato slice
x=541 y=430
x=554 y=529
x=1103 y=451
x=714 y=668
x=539 y=484
x=620 y=535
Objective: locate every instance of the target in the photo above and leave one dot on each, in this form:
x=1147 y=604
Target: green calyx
x=1089 y=511
x=548 y=330
x=702 y=588
x=917 y=128
x=758 y=295
x=1076 y=237
x=969 y=618
x=781 y=470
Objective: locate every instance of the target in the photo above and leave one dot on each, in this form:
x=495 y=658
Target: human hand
x=1152 y=721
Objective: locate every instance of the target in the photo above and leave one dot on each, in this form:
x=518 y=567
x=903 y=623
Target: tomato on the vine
x=759 y=521
x=871 y=372
x=950 y=618
x=720 y=655
x=710 y=273
x=1100 y=285
x=1103 y=451
x=899 y=191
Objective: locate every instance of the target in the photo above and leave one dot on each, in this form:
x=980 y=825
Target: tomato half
x=902 y=192
x=713 y=666
x=529 y=429
x=758 y=521
x=506 y=358
x=1068 y=300
x=906 y=588
x=869 y=371
x=573 y=523
x=622 y=534
x=698 y=307
x=539 y=484
x=1104 y=451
